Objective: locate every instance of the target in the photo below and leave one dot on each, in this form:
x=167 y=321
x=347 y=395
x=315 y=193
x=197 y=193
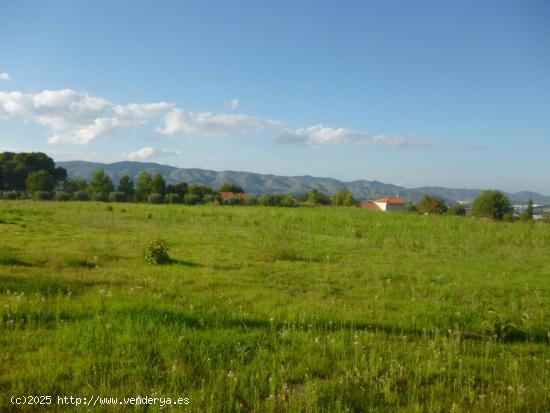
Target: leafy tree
x=15 y=168
x=343 y=198
x=173 y=198
x=318 y=198
x=155 y=198
x=62 y=196
x=126 y=186
x=270 y=200
x=72 y=185
x=143 y=186
x=457 y=209
x=100 y=185
x=39 y=181
x=158 y=184
x=527 y=214
x=180 y=189
x=287 y=201
x=229 y=187
x=81 y=196
x=118 y=196
x=192 y=199
x=492 y=204
x=431 y=205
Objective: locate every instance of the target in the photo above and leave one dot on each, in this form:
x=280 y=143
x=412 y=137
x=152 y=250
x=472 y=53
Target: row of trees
x=491 y=204
x=35 y=174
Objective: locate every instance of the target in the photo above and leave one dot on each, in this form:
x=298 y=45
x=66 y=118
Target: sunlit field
x=273 y=310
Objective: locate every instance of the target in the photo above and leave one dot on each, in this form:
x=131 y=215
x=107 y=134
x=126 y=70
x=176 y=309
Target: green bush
x=117 y=197
x=173 y=199
x=10 y=195
x=62 y=196
x=155 y=198
x=457 y=209
x=431 y=205
x=156 y=252
x=492 y=204
x=81 y=196
x=100 y=196
x=43 y=195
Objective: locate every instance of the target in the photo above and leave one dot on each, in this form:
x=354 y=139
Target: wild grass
x=270 y=309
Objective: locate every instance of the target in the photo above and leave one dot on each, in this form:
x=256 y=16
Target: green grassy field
x=271 y=310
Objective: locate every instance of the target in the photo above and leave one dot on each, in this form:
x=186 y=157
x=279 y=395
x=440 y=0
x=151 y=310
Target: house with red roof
x=385 y=204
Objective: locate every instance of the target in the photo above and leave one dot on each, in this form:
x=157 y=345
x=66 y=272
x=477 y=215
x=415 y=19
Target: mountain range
x=259 y=184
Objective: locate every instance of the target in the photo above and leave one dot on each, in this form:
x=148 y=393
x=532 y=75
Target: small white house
x=386 y=204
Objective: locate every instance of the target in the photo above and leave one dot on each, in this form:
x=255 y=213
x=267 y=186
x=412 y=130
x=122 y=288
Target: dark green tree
x=126 y=186
x=457 y=209
x=100 y=185
x=71 y=185
x=527 y=214
x=492 y=204
x=143 y=186
x=39 y=181
x=318 y=198
x=15 y=168
x=179 y=189
x=158 y=184
x=431 y=205
x=343 y=198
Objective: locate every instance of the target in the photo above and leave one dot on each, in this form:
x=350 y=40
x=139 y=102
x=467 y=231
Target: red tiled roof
x=390 y=200
x=370 y=205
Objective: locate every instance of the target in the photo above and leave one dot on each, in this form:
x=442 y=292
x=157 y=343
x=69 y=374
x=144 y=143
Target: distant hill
x=259 y=184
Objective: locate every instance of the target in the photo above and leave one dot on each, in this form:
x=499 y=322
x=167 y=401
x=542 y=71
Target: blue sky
x=413 y=93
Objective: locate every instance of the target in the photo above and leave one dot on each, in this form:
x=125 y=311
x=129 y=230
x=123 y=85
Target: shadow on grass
x=192 y=264
x=8 y=258
x=175 y=261
x=169 y=317
x=49 y=286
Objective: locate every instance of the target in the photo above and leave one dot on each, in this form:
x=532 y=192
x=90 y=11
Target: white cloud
x=234 y=104
x=147 y=153
x=77 y=117
x=179 y=121
x=401 y=142
x=320 y=135
x=5 y=77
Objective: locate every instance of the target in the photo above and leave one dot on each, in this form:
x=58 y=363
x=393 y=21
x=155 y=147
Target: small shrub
x=81 y=196
x=156 y=252
x=110 y=208
x=117 y=197
x=155 y=198
x=43 y=196
x=62 y=196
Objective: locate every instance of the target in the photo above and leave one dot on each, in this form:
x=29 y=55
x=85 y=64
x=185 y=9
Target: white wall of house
x=390 y=207
x=381 y=205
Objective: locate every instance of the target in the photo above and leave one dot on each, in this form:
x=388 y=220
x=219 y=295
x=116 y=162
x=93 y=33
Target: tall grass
x=269 y=309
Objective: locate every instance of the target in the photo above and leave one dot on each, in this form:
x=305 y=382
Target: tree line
x=491 y=204
x=35 y=175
